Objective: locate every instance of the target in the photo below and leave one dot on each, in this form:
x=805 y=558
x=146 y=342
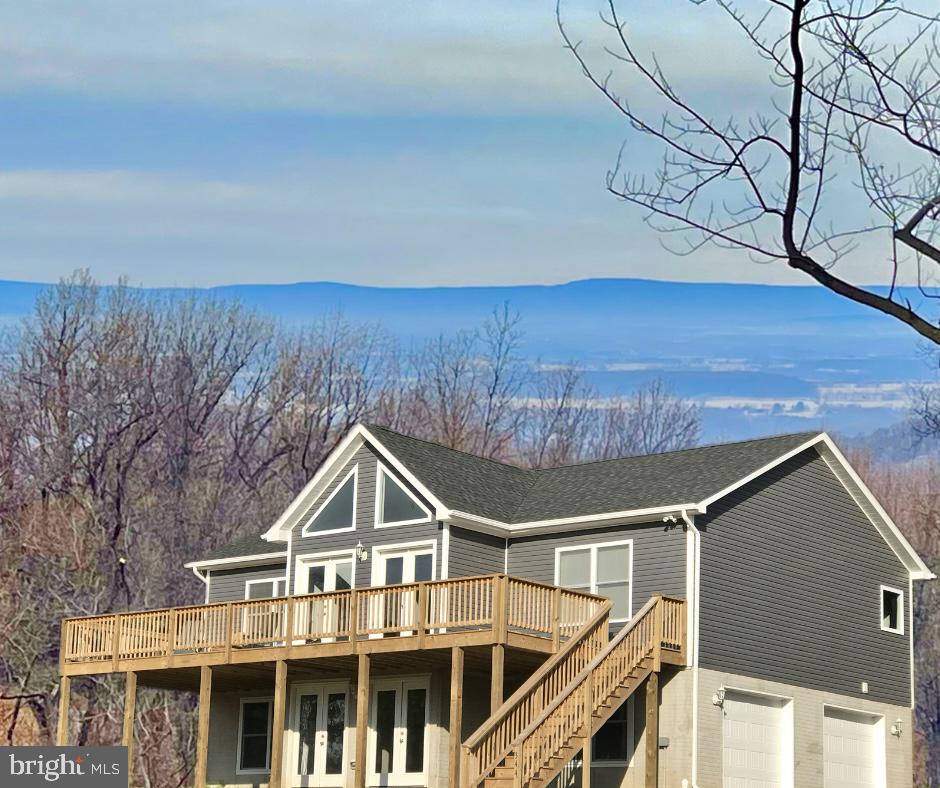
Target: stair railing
x=492 y=741
x=565 y=720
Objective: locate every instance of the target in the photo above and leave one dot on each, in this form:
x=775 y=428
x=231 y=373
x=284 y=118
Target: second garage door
x=755 y=741
x=853 y=750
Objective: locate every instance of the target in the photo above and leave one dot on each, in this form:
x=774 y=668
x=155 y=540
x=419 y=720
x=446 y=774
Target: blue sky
x=410 y=143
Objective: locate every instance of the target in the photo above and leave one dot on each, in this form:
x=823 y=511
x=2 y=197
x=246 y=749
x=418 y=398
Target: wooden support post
x=353 y=617
x=588 y=732
x=171 y=638
x=421 y=606
x=130 y=706
x=202 y=731
x=229 y=626
x=277 y=723
x=456 y=713
x=362 y=720
x=496 y=677
x=556 y=618
x=65 y=701
x=115 y=642
x=652 y=731
x=504 y=603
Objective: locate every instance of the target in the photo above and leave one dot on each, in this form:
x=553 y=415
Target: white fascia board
x=331 y=466
x=875 y=512
x=235 y=562
x=500 y=528
x=703 y=505
x=328 y=468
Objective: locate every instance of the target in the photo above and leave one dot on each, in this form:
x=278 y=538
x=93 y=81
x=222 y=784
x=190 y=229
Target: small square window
x=892 y=610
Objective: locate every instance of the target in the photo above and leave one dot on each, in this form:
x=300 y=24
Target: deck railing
x=499 y=603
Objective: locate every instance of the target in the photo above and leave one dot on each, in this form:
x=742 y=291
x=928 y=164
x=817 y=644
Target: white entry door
x=322 y=575
x=319 y=731
x=853 y=750
x=754 y=742
x=396 y=566
x=398 y=732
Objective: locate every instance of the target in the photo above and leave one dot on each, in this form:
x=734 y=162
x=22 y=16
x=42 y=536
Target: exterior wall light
x=897 y=728
x=361 y=553
x=718 y=699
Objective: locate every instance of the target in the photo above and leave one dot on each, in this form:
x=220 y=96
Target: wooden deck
x=463 y=612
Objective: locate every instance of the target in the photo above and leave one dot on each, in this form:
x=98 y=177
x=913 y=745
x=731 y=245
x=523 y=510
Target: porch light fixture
x=897 y=728
x=718 y=699
x=361 y=553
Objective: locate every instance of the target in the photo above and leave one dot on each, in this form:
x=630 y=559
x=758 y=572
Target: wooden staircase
x=551 y=718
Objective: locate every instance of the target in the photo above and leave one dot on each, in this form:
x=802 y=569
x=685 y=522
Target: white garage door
x=753 y=741
x=853 y=750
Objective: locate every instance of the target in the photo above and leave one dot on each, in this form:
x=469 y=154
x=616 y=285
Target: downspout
x=694 y=606
x=204 y=578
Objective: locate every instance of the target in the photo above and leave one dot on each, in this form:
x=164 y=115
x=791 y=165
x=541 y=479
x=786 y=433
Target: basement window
x=254 y=735
x=892 y=610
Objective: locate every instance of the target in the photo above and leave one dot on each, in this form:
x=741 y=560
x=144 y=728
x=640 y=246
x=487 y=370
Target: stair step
x=497 y=782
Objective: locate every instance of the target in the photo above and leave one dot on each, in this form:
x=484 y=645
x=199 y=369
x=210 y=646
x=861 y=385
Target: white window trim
x=901 y=611
x=278 y=580
x=601 y=763
x=301 y=561
x=381 y=552
x=238 y=749
x=355 y=474
x=403 y=683
x=383 y=473
x=593 y=547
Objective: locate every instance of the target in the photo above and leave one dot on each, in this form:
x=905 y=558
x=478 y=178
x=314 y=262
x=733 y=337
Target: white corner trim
x=382 y=475
x=445 y=551
x=354 y=472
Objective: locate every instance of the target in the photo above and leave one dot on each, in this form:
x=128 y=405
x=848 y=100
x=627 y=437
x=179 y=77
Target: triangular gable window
x=338 y=511
x=397 y=505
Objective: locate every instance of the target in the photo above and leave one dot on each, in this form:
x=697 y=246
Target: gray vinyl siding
x=228 y=585
x=474 y=553
x=791 y=571
x=365 y=532
x=658 y=556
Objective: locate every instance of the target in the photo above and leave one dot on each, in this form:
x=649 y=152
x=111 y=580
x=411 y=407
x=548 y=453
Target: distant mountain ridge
x=758 y=358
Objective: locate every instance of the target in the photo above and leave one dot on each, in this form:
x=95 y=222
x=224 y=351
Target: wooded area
x=140 y=431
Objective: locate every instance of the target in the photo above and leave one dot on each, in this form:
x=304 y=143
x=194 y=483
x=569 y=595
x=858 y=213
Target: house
x=730 y=615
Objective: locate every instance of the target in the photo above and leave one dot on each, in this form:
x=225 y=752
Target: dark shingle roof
x=249 y=545
x=487 y=488
x=513 y=495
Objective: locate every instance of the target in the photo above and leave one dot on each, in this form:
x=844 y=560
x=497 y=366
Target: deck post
x=652 y=731
x=556 y=618
x=362 y=719
x=65 y=701
x=277 y=723
x=658 y=633
x=130 y=707
x=456 y=713
x=421 y=606
x=588 y=732
x=496 y=677
x=202 y=731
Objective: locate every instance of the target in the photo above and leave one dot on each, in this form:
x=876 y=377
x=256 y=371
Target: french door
x=395 y=566
x=322 y=575
x=398 y=746
x=320 y=729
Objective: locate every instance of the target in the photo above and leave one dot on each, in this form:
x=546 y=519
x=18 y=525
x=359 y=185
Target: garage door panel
x=752 y=742
x=852 y=750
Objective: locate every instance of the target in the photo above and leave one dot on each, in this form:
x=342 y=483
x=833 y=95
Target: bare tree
x=852 y=104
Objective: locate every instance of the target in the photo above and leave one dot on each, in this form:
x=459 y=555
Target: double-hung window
x=254 y=735
x=604 y=569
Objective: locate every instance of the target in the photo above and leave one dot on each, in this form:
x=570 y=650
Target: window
x=613 y=743
x=892 y=610
x=254 y=735
x=395 y=504
x=265 y=589
x=338 y=511
x=604 y=569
